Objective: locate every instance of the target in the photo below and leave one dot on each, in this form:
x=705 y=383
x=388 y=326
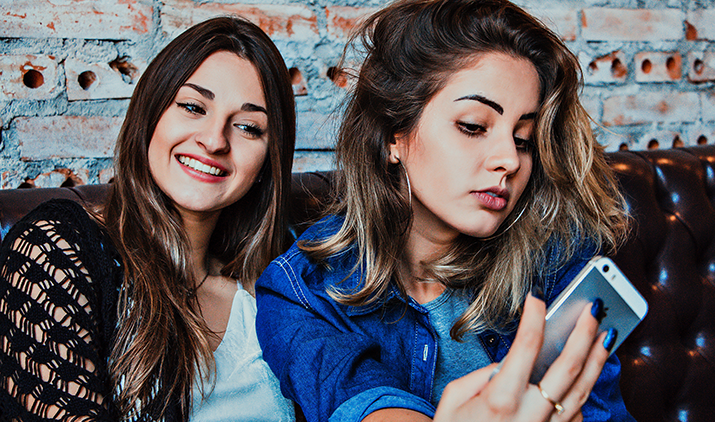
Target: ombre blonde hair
x=411 y=48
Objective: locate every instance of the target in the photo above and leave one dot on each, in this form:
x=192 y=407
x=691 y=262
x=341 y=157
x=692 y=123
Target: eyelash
x=192 y=108
x=473 y=130
x=252 y=130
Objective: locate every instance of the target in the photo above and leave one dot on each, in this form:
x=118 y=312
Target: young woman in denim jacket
x=468 y=177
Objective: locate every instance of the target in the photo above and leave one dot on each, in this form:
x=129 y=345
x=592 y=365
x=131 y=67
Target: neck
x=422 y=247
x=199 y=228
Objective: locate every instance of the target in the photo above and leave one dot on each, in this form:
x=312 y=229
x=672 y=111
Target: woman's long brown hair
x=412 y=48
x=161 y=345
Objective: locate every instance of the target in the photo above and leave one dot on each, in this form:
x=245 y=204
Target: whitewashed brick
x=284 y=21
x=94 y=19
x=342 y=19
x=563 y=21
x=92 y=81
x=648 y=107
x=656 y=66
x=611 y=24
x=42 y=138
x=608 y=69
x=708 y=99
x=59 y=177
x=313 y=161
x=28 y=77
x=701 y=22
x=701 y=66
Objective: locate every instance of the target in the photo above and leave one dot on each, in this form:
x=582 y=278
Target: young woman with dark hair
x=468 y=177
x=143 y=309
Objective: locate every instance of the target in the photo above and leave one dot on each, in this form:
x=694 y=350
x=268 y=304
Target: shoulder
x=299 y=268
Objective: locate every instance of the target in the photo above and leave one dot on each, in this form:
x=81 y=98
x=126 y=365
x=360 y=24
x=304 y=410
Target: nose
x=503 y=156
x=212 y=138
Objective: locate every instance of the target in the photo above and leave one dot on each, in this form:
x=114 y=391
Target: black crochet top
x=59 y=279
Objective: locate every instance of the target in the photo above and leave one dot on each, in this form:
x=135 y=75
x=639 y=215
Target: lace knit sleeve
x=52 y=347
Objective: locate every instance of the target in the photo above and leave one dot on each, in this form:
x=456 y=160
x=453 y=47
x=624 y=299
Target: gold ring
x=557 y=405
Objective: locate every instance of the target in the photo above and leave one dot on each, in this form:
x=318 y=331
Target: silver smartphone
x=623 y=309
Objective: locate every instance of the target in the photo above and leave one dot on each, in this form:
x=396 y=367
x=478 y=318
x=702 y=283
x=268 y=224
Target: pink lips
x=201 y=176
x=493 y=198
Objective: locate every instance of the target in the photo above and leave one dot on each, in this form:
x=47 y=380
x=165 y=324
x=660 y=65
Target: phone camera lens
x=605 y=268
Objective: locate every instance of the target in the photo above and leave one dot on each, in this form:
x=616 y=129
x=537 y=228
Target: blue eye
x=252 y=130
x=192 y=108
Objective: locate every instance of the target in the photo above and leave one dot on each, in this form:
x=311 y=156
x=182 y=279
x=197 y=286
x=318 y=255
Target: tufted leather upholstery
x=669 y=360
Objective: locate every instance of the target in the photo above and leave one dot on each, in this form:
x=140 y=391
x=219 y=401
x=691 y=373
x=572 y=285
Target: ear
x=398 y=148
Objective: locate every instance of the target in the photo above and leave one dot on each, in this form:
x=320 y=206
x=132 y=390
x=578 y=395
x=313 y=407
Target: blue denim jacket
x=341 y=363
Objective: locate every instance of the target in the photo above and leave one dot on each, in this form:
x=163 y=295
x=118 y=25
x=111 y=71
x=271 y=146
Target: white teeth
x=199 y=166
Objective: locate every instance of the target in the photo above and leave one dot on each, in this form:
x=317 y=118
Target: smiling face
x=210 y=143
x=470 y=157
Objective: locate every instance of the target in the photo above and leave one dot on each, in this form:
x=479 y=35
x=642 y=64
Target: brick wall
x=68 y=67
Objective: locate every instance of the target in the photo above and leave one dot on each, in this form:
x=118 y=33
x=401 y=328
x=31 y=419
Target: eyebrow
x=201 y=90
x=211 y=96
x=498 y=108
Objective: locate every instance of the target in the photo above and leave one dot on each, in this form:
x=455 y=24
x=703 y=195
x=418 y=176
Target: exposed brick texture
x=279 y=21
x=68 y=67
x=28 y=77
x=90 y=19
x=612 y=24
x=654 y=66
x=65 y=136
x=700 y=23
x=661 y=107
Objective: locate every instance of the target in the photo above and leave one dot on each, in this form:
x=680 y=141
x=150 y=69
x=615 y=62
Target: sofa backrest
x=669 y=360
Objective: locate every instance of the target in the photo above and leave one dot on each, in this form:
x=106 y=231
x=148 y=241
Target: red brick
x=656 y=66
x=59 y=177
x=701 y=67
x=95 y=19
x=610 y=24
x=651 y=107
x=284 y=21
x=92 y=81
x=608 y=69
x=700 y=23
x=28 y=77
x=342 y=19
x=106 y=175
x=65 y=136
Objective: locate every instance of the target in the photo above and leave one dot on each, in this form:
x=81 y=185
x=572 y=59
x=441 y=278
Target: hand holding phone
x=623 y=308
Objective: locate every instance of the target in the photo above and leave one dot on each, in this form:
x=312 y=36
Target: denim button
x=491 y=340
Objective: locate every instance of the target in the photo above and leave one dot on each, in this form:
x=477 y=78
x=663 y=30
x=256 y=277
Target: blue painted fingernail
x=537 y=292
x=596 y=309
x=610 y=339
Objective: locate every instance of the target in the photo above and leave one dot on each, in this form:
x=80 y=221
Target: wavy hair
x=161 y=345
x=411 y=48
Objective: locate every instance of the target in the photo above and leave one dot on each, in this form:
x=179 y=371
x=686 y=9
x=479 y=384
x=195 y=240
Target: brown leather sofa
x=669 y=360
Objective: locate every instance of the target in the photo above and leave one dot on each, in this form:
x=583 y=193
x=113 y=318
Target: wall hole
x=337 y=76
x=623 y=147
x=698 y=66
x=33 y=79
x=297 y=81
x=677 y=142
x=691 y=33
x=671 y=64
x=646 y=66
x=618 y=70
x=128 y=71
x=592 y=67
x=68 y=183
x=86 y=79
x=653 y=144
x=702 y=140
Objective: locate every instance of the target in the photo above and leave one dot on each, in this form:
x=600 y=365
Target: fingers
x=514 y=374
x=571 y=377
x=579 y=392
